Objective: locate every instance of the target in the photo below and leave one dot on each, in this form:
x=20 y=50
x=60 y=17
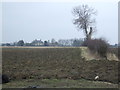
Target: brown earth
x=46 y=63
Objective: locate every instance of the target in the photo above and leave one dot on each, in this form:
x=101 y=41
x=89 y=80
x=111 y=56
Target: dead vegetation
x=88 y=55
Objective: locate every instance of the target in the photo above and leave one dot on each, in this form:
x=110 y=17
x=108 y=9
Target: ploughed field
x=48 y=66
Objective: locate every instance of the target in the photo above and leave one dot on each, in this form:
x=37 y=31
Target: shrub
x=98 y=45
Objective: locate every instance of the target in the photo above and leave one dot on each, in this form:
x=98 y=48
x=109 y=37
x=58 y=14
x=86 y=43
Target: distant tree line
x=61 y=42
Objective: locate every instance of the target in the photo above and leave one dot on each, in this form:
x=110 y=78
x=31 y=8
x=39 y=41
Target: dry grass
x=115 y=51
x=88 y=55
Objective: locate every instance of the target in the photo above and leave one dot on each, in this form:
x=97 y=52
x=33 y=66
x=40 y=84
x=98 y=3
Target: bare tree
x=84 y=20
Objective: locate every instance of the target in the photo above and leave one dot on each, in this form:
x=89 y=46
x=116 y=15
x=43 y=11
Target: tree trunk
x=88 y=37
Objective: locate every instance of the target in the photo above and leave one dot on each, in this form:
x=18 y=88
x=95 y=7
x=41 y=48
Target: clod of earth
x=5 y=79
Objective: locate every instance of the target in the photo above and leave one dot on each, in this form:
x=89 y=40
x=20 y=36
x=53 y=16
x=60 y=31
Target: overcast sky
x=47 y=20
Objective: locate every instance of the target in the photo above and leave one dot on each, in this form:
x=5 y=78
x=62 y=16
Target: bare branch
x=83 y=18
